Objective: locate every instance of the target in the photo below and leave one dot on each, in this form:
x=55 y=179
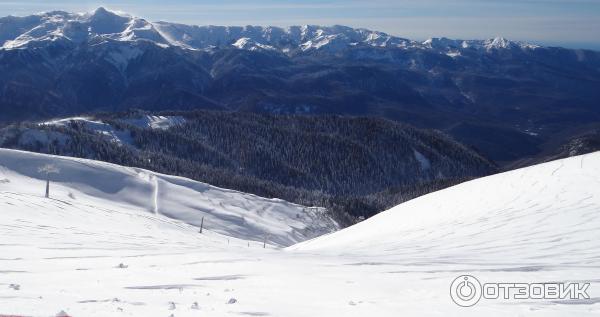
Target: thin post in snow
x=201 y=224
x=47 y=185
x=47 y=170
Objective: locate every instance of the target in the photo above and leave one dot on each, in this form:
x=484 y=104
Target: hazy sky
x=572 y=23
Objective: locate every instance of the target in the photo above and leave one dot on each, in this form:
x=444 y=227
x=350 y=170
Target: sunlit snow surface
x=107 y=185
x=99 y=127
x=538 y=224
x=157 y=122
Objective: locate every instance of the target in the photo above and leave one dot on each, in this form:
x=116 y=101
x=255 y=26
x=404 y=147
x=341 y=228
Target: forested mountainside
x=584 y=142
x=353 y=166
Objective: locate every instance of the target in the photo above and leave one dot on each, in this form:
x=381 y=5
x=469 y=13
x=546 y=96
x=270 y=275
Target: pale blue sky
x=571 y=23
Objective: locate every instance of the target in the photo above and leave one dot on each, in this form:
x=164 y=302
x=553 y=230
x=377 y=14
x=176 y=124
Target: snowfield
x=98 y=248
x=157 y=122
x=228 y=212
x=107 y=131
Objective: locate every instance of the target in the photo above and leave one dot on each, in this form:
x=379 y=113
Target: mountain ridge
x=103 y=23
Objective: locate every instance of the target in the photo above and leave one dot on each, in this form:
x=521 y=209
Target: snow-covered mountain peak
x=246 y=43
x=499 y=42
x=102 y=21
x=451 y=46
x=76 y=28
x=102 y=13
x=442 y=43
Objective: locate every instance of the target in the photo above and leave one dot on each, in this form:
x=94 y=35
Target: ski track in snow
x=100 y=255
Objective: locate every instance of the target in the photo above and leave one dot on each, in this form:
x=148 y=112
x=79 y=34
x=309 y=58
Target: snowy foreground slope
x=89 y=256
x=225 y=211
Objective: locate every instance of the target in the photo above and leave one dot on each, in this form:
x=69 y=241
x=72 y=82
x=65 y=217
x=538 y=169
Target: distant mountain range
x=102 y=25
x=509 y=100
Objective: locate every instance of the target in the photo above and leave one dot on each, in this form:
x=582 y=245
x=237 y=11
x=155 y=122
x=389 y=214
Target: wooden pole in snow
x=201 y=224
x=47 y=185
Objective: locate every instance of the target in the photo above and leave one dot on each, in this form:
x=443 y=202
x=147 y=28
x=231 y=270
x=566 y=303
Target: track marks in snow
x=562 y=164
x=221 y=278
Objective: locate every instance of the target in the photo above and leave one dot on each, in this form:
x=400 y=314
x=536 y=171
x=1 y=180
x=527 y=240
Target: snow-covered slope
x=144 y=121
x=93 y=256
x=227 y=212
x=103 y=25
x=157 y=122
x=532 y=225
x=544 y=215
x=105 y=130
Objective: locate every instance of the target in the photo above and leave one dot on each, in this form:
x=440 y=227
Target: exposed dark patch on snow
x=369 y=263
x=221 y=278
x=250 y=313
x=232 y=301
